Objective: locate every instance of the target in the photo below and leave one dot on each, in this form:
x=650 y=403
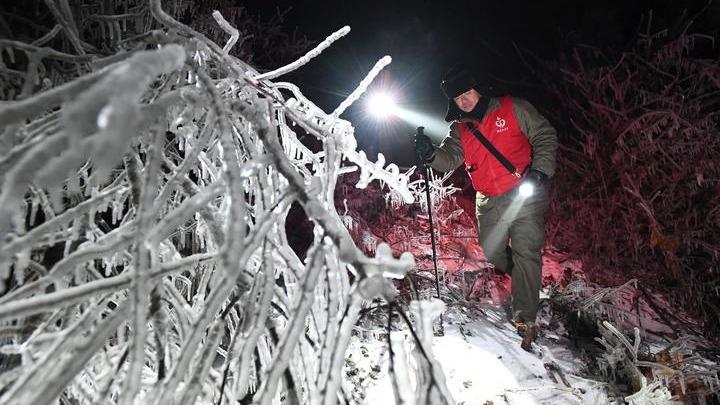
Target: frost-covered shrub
x=637 y=188
x=144 y=256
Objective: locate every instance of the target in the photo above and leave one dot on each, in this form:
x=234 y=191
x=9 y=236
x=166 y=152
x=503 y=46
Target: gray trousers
x=506 y=220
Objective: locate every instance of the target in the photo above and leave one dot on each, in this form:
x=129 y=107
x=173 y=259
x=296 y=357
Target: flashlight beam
x=432 y=124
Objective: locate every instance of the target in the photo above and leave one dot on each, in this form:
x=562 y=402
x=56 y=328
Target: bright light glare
x=526 y=190
x=381 y=105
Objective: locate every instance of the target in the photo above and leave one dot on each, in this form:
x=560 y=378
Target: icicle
x=681 y=378
x=21 y=263
x=89 y=190
x=201 y=232
x=368 y=242
x=116 y=212
x=349 y=222
x=33 y=211
x=181 y=237
x=18 y=219
x=110 y=265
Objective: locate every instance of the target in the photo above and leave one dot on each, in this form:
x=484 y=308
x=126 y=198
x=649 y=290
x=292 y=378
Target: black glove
x=424 y=149
x=536 y=178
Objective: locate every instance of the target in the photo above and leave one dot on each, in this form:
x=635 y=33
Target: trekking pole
x=426 y=177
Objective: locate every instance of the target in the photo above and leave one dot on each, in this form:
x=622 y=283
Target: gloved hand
x=424 y=149
x=536 y=177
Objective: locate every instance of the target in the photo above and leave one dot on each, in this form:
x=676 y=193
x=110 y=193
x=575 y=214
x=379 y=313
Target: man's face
x=467 y=101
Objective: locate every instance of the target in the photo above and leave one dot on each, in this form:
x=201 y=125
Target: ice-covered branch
x=307 y=57
x=362 y=87
x=52 y=301
x=234 y=33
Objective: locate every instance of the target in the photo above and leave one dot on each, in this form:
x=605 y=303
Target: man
x=525 y=144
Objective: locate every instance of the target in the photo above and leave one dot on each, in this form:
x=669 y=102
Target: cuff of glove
x=539 y=176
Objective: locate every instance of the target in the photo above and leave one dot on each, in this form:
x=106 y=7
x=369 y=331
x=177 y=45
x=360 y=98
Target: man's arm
x=449 y=155
x=542 y=136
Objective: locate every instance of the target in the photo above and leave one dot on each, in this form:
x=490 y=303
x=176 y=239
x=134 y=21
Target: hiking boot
x=528 y=332
x=530 y=335
x=520 y=327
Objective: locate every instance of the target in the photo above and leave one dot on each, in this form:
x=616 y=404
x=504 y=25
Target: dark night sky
x=425 y=38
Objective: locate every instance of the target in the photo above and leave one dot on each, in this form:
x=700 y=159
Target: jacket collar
x=479 y=112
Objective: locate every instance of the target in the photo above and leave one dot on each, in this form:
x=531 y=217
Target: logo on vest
x=500 y=124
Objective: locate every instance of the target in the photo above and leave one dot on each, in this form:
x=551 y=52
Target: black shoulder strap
x=499 y=156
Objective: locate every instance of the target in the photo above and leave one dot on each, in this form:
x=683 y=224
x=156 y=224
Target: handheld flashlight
x=526 y=189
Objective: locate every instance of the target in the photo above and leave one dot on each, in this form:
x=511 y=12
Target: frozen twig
x=234 y=33
x=305 y=58
x=363 y=86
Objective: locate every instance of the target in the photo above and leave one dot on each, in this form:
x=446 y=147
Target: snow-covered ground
x=483 y=364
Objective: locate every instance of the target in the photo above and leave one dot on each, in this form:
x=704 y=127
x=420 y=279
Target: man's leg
x=527 y=235
x=493 y=231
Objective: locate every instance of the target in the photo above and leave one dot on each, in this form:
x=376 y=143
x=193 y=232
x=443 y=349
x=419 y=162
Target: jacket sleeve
x=449 y=155
x=542 y=136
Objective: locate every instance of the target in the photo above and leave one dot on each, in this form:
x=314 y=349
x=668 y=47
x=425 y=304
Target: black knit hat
x=456 y=82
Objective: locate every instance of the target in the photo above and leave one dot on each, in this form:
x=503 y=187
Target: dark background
x=426 y=38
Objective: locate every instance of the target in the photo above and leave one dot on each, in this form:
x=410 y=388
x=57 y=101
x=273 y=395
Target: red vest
x=501 y=128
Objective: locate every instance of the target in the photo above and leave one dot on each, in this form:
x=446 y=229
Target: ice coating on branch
x=363 y=86
x=234 y=33
x=117 y=97
x=677 y=365
x=320 y=124
x=101 y=122
x=384 y=264
x=404 y=368
x=654 y=393
x=307 y=57
x=439 y=189
x=425 y=313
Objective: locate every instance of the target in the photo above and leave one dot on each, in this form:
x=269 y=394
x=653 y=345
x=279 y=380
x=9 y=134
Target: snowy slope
x=483 y=363
x=480 y=352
